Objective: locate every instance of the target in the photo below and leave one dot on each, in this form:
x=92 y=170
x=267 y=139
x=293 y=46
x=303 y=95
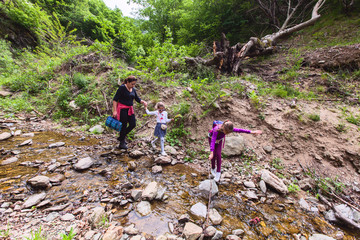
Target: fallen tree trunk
x=228 y=59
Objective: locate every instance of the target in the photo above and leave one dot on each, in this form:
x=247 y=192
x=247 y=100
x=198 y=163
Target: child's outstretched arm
x=150 y=113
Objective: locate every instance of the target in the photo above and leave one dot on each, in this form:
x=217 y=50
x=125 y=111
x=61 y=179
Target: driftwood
x=228 y=58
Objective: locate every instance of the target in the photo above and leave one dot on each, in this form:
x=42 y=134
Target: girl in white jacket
x=161 y=121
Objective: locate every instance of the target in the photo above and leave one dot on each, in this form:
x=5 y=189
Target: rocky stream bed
x=57 y=181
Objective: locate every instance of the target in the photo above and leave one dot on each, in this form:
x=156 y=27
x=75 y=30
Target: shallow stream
x=281 y=218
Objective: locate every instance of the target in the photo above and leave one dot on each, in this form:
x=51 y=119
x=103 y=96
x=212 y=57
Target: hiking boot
x=217 y=176
x=213 y=172
x=163 y=153
x=153 y=145
x=123 y=145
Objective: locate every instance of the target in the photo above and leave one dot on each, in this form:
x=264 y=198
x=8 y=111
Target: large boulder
x=205 y=187
x=274 y=182
x=234 y=145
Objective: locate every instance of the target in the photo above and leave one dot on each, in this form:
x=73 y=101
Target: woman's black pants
x=128 y=123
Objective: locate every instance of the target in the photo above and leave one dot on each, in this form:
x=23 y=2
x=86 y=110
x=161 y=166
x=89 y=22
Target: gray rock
x=57 y=208
x=273 y=181
x=156 y=169
x=215 y=217
x=160 y=193
x=4 y=93
x=234 y=145
x=218 y=235
x=171 y=150
x=249 y=184
x=209 y=231
x=150 y=191
x=131 y=230
x=238 y=232
x=26 y=142
x=232 y=237
x=268 y=149
x=320 y=237
x=136 y=154
x=251 y=195
x=192 y=231
x=199 y=210
x=306 y=184
x=262 y=185
x=5 y=205
x=67 y=217
x=97 y=129
x=205 y=186
x=89 y=234
x=136 y=194
x=39 y=182
x=9 y=161
x=5 y=135
x=113 y=233
x=51 y=216
x=57 y=144
x=132 y=166
x=143 y=208
x=84 y=163
x=304 y=204
x=57 y=179
x=30 y=135
x=34 y=200
x=96 y=216
x=163 y=160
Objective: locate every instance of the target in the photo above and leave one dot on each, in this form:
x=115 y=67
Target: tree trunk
x=228 y=59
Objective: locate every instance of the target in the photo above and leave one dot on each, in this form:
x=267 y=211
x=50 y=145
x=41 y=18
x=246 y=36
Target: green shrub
x=293 y=188
x=80 y=80
x=315 y=117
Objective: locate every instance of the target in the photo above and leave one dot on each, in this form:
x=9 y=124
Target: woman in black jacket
x=123 y=107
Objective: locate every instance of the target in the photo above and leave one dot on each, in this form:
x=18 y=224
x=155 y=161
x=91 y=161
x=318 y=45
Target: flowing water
x=281 y=217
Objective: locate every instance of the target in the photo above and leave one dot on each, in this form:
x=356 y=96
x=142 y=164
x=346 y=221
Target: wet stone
x=215 y=217
x=150 y=191
x=205 y=187
x=34 y=200
x=192 y=231
x=5 y=135
x=218 y=235
x=131 y=230
x=9 y=161
x=199 y=210
x=251 y=195
x=210 y=231
x=26 y=142
x=156 y=169
x=136 y=194
x=143 y=208
x=83 y=163
x=320 y=237
x=249 y=184
x=57 y=144
x=232 y=237
x=238 y=232
x=28 y=135
x=39 y=182
x=136 y=154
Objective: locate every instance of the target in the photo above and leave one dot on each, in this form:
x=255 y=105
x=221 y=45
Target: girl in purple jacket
x=216 y=136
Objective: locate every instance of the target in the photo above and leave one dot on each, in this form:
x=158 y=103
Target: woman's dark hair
x=129 y=79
